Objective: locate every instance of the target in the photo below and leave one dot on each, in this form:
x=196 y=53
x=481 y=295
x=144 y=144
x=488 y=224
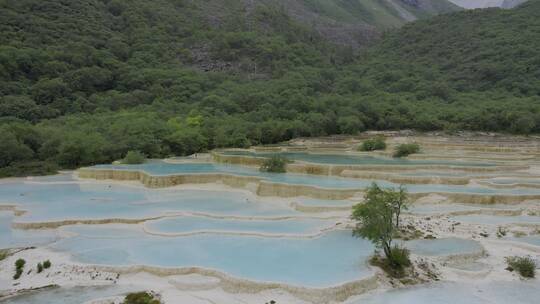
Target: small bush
x=47 y=264
x=39 y=268
x=19 y=265
x=18 y=273
x=399 y=257
x=372 y=144
x=405 y=150
x=141 y=298
x=275 y=164
x=394 y=264
x=134 y=158
x=526 y=266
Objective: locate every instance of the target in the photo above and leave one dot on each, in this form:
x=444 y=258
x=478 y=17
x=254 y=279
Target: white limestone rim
x=325 y=294
x=308 y=235
x=261 y=180
x=498 y=165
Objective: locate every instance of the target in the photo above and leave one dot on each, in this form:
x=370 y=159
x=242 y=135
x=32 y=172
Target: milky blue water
x=443 y=247
x=193 y=224
x=510 y=181
x=12 y=238
x=515 y=292
x=74 y=295
x=332 y=259
x=340 y=159
x=446 y=208
x=497 y=219
x=531 y=239
x=60 y=201
x=163 y=168
x=313 y=202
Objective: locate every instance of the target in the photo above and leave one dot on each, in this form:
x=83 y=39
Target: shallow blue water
x=531 y=239
x=313 y=202
x=48 y=202
x=191 y=224
x=332 y=259
x=75 y=295
x=515 y=292
x=497 y=219
x=443 y=247
x=11 y=238
x=446 y=208
x=340 y=159
x=162 y=168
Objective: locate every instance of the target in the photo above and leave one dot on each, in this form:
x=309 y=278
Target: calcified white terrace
x=226 y=239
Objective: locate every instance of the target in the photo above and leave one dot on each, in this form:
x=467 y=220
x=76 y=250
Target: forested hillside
x=83 y=82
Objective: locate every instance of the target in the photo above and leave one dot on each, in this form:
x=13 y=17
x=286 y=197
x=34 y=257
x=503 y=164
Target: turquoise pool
x=344 y=159
x=74 y=295
x=189 y=224
x=515 y=292
x=497 y=219
x=12 y=238
x=163 y=168
x=332 y=259
x=94 y=200
x=443 y=247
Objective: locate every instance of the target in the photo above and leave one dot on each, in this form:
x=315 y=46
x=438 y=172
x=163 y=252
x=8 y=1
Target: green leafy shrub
x=373 y=144
x=39 y=267
x=19 y=266
x=405 y=150
x=47 y=264
x=275 y=164
x=141 y=298
x=399 y=257
x=526 y=266
x=395 y=263
x=134 y=158
x=20 y=263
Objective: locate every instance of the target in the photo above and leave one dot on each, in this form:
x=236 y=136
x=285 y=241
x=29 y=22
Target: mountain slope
x=470 y=4
x=470 y=51
x=85 y=81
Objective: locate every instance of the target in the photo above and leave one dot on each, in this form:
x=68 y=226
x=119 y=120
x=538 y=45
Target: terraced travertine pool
x=72 y=295
x=345 y=159
x=451 y=293
x=234 y=232
x=164 y=168
x=10 y=238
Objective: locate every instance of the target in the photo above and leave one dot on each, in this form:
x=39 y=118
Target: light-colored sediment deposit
x=475 y=200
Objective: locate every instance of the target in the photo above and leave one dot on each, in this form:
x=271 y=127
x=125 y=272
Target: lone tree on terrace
x=378 y=220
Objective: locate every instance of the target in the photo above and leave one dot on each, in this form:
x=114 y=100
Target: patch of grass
x=526 y=266
x=405 y=150
x=141 y=298
x=47 y=264
x=275 y=164
x=373 y=144
x=395 y=264
x=4 y=253
x=519 y=234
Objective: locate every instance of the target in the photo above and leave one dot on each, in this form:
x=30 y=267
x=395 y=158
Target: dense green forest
x=83 y=82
